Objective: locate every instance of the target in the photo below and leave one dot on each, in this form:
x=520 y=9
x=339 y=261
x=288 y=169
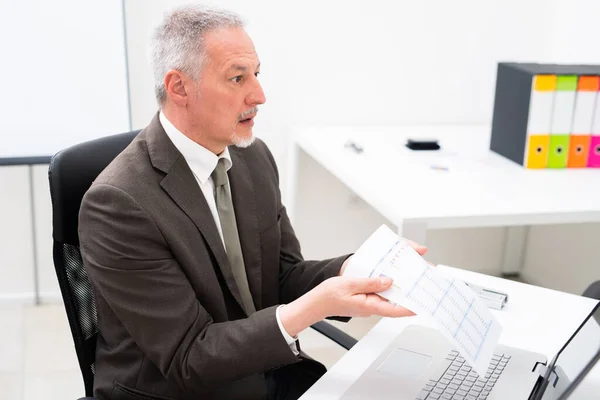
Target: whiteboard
x=63 y=75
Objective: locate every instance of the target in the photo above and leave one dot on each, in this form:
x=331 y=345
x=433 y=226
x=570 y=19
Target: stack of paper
x=454 y=308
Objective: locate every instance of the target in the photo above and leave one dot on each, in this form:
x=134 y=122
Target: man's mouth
x=248 y=121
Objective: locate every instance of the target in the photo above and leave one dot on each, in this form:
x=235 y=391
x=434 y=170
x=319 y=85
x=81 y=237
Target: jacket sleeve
x=130 y=265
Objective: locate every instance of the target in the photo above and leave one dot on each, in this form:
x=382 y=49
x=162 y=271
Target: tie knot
x=219 y=175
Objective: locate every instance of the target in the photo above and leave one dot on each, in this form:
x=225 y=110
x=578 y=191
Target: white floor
x=38 y=361
x=37 y=358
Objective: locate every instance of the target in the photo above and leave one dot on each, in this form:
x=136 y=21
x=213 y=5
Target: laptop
x=421 y=364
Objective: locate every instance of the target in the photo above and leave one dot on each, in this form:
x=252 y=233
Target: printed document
x=453 y=307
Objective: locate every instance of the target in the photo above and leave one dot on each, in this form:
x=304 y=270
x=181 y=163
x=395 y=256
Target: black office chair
x=71 y=173
x=592 y=291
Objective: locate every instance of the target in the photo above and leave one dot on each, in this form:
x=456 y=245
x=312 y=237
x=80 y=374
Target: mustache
x=247 y=113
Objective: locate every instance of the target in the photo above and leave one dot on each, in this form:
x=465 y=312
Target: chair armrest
x=333 y=333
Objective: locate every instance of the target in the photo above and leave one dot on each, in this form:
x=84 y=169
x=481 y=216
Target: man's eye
x=256 y=74
x=237 y=79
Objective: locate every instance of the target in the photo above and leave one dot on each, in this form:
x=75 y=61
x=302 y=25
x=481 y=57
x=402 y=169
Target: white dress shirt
x=202 y=162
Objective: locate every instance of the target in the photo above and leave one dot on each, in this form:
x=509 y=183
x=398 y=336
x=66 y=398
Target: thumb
x=417 y=247
x=385 y=281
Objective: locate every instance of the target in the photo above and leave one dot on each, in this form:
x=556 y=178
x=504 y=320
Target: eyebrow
x=242 y=68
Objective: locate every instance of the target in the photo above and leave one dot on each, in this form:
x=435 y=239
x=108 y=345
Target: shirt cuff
x=290 y=340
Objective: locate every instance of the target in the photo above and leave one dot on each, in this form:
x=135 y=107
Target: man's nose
x=256 y=95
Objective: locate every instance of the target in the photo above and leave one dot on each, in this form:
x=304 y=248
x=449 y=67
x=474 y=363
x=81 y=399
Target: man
x=200 y=285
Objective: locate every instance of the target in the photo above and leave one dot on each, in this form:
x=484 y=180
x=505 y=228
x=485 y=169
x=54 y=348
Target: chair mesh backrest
x=81 y=308
x=71 y=173
x=81 y=290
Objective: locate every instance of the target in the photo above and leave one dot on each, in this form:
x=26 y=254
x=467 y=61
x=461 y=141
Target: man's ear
x=176 y=88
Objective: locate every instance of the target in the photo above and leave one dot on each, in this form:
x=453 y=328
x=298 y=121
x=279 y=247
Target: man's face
x=228 y=93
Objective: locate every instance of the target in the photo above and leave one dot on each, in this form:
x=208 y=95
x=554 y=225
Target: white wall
x=575 y=31
x=16 y=246
x=356 y=62
x=63 y=71
x=16 y=232
x=377 y=62
x=397 y=62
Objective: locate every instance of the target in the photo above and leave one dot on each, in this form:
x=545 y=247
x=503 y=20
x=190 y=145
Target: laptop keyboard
x=458 y=382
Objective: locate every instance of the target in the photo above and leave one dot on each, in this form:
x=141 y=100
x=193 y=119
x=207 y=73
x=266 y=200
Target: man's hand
x=417 y=247
x=340 y=296
x=356 y=297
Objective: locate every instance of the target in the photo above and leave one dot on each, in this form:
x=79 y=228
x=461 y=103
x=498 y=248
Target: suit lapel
x=246 y=215
x=181 y=185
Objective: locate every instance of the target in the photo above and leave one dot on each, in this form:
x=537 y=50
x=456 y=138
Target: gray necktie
x=230 y=233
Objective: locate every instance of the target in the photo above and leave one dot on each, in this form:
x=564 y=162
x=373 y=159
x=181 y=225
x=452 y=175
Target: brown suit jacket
x=169 y=313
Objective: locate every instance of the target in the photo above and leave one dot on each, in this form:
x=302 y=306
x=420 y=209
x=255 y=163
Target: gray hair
x=178 y=42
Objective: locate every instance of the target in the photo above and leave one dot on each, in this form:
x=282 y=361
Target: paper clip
x=493 y=299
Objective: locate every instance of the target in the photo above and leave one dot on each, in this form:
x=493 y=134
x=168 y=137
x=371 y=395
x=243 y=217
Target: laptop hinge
x=541 y=369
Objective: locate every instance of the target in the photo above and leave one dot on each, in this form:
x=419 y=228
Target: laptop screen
x=575 y=359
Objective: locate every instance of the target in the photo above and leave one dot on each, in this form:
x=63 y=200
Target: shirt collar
x=201 y=161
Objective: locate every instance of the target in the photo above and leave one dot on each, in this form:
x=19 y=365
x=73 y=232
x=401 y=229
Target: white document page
x=454 y=308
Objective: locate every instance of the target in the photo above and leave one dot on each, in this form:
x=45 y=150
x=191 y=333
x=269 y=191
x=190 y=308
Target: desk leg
x=515 y=243
x=417 y=232
x=36 y=279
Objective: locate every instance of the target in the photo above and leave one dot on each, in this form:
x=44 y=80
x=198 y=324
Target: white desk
x=463 y=185
x=531 y=313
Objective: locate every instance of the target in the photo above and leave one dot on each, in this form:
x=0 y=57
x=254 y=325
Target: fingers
x=417 y=247
x=369 y=285
x=377 y=305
